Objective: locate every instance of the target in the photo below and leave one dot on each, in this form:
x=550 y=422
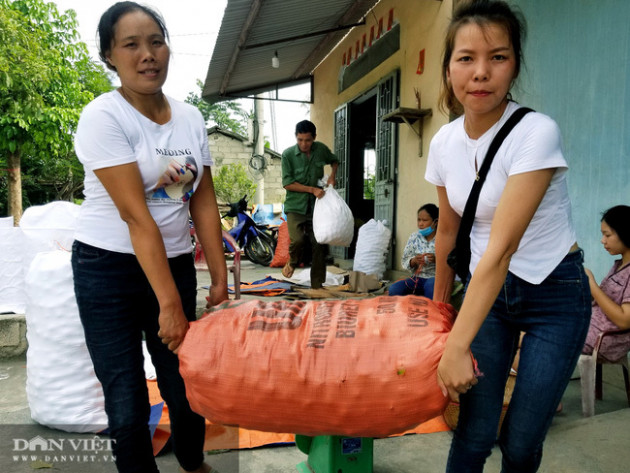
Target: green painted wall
x=578 y=72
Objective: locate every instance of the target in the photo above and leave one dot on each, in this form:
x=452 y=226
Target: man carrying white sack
x=302 y=168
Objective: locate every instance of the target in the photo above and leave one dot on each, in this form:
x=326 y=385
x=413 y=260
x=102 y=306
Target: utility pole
x=259 y=147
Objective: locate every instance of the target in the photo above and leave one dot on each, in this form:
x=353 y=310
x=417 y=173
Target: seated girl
x=611 y=299
x=419 y=256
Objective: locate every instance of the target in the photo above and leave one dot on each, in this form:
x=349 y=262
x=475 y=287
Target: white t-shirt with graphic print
x=110 y=133
x=534 y=144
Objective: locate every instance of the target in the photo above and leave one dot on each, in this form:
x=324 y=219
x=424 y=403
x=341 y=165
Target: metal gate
x=341 y=150
x=386 y=153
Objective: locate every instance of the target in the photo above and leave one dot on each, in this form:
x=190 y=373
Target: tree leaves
x=46 y=78
x=231 y=182
x=222 y=114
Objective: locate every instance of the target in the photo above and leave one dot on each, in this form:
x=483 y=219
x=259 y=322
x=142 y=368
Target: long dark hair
x=481 y=13
x=618 y=218
x=107 y=26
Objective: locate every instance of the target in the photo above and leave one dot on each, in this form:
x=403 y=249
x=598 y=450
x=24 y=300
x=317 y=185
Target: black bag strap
x=468 y=217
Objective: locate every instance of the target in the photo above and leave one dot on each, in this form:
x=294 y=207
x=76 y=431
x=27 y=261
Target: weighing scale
x=336 y=454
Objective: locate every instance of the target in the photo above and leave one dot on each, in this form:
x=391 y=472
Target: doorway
x=366 y=147
x=362 y=157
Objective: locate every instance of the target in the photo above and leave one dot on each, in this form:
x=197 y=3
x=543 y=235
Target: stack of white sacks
x=61 y=387
x=12 y=248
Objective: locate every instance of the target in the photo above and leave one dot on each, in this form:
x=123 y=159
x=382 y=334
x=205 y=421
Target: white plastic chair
x=591 y=374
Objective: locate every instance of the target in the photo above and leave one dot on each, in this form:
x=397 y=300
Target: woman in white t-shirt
x=147 y=168
x=526 y=267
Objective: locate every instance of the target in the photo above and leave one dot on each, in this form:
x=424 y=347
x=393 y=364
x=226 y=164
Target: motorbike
x=255 y=240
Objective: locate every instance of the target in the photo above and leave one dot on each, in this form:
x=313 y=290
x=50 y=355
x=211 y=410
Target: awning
x=300 y=32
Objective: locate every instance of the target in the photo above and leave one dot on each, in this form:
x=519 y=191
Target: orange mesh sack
x=354 y=367
x=281 y=253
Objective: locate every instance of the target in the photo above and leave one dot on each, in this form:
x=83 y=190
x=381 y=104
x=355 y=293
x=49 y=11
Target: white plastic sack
x=149 y=369
x=49 y=227
x=6 y=222
x=372 y=247
x=303 y=278
x=12 y=261
x=333 y=223
x=61 y=387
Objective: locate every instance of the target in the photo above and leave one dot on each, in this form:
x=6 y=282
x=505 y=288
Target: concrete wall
x=422 y=26
x=12 y=335
x=228 y=148
x=577 y=71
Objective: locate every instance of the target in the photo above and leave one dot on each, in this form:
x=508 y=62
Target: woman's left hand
x=173 y=328
x=456 y=374
x=218 y=294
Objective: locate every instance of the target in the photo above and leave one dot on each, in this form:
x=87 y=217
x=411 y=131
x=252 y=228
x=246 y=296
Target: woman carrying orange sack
x=147 y=166
x=611 y=299
x=527 y=270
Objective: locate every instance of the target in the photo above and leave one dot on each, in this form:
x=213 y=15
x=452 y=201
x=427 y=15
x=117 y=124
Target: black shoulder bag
x=459 y=258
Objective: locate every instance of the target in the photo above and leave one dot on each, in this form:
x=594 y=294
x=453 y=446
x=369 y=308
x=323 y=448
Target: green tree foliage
x=369 y=185
x=46 y=78
x=222 y=114
x=232 y=182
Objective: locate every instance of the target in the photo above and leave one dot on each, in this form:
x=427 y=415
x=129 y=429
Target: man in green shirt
x=302 y=166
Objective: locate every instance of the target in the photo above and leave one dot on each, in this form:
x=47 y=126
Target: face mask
x=425 y=232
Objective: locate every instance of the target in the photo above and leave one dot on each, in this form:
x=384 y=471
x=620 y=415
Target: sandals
x=287 y=270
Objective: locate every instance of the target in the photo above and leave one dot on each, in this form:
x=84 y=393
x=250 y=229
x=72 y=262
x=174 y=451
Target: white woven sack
x=333 y=223
x=6 y=222
x=49 y=227
x=372 y=247
x=61 y=387
x=12 y=256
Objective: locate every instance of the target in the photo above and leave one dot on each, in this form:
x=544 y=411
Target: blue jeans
x=117 y=307
x=555 y=317
x=413 y=285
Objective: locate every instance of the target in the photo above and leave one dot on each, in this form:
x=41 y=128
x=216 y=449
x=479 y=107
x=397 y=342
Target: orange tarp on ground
x=219 y=437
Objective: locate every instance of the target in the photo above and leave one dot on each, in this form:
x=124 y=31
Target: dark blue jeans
x=555 y=317
x=413 y=285
x=117 y=307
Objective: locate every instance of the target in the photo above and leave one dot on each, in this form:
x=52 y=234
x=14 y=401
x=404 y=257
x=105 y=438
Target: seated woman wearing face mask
x=419 y=256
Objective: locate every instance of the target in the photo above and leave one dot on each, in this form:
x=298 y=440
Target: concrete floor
x=599 y=444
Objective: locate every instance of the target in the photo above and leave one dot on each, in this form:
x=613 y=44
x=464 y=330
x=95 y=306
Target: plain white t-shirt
x=110 y=133
x=535 y=143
